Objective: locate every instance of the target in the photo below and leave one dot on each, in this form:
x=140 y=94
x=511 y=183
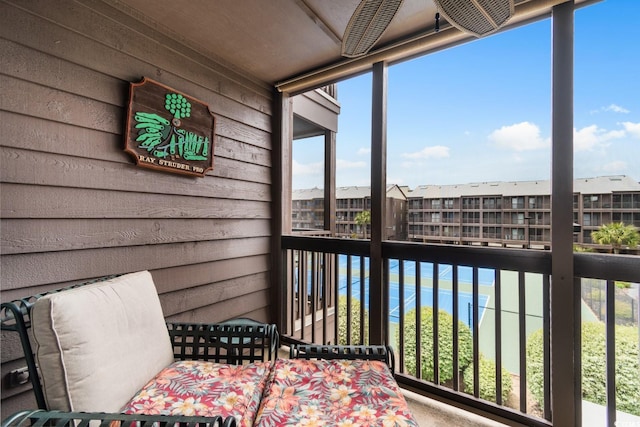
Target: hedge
x=445 y=344
x=488 y=380
x=594 y=366
x=355 y=321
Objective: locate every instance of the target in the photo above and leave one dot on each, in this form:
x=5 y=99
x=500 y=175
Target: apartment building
x=308 y=211
x=516 y=214
x=508 y=214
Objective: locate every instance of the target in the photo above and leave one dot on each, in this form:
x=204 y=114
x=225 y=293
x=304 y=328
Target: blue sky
x=481 y=111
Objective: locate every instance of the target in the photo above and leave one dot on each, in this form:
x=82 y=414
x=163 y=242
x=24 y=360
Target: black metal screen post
x=565 y=331
x=378 y=289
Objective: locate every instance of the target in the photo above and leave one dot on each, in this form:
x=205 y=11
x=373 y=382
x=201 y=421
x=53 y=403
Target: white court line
x=445 y=271
x=406 y=300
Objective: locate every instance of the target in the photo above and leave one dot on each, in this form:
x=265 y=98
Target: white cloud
x=434 y=152
x=615 y=167
x=632 y=128
x=300 y=169
x=590 y=137
x=346 y=164
x=520 y=137
x=616 y=109
x=364 y=150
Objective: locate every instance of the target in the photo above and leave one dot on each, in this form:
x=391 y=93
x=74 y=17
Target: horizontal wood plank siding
x=73 y=205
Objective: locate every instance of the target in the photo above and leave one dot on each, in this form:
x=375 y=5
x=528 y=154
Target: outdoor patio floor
x=433 y=413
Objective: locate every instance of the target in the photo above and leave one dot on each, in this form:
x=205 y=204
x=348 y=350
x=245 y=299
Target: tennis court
x=445 y=294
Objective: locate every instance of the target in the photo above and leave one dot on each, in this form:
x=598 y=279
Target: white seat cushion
x=97 y=345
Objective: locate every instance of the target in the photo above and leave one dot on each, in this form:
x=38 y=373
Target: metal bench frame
x=383 y=353
x=39 y=418
x=234 y=342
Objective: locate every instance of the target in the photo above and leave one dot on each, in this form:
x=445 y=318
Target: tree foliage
x=618 y=235
x=488 y=380
x=594 y=366
x=362 y=219
x=355 y=322
x=445 y=344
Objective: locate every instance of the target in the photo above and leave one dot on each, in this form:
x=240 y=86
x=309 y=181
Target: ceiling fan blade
x=477 y=17
x=367 y=24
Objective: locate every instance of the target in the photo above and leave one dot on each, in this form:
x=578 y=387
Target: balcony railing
x=489 y=302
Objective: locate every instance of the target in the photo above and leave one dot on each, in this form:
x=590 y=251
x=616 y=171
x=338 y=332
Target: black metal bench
x=233 y=342
x=85 y=419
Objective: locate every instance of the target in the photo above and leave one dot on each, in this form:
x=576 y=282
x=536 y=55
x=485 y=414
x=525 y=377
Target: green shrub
x=488 y=380
x=535 y=365
x=355 y=322
x=445 y=344
x=594 y=366
x=623 y=285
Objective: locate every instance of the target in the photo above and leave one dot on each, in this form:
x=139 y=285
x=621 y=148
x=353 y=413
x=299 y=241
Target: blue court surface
x=445 y=296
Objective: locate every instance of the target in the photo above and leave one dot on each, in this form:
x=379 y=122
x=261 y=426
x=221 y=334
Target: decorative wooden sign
x=168 y=130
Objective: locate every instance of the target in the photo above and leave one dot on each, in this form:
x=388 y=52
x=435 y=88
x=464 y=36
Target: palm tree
x=617 y=234
x=362 y=219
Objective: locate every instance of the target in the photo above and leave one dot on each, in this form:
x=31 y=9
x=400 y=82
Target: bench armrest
x=233 y=343
x=83 y=419
x=351 y=352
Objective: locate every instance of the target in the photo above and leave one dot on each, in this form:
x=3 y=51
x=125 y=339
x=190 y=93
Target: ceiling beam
x=302 y=4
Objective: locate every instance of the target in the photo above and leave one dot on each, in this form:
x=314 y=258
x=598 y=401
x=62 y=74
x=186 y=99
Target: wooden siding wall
x=73 y=204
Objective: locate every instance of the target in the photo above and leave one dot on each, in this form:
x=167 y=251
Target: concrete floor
x=432 y=413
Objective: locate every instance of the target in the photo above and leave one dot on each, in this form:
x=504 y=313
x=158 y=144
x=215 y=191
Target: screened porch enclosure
x=75 y=207
x=494 y=299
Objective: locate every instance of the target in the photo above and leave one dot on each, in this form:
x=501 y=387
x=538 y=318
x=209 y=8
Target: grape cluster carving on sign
x=168 y=130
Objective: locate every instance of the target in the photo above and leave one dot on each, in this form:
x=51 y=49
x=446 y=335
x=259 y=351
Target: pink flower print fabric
x=198 y=388
x=333 y=393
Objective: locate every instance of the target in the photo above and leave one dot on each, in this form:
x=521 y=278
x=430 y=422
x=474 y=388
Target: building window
x=517 y=218
x=448 y=217
x=448 y=231
x=625 y=217
x=473 y=217
x=492 y=232
x=433 y=230
x=517 y=203
x=492 y=218
x=435 y=217
x=590 y=201
x=624 y=201
x=492 y=203
x=448 y=203
x=470 y=231
x=435 y=204
x=471 y=203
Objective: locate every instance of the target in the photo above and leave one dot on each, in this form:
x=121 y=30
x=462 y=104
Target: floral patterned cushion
x=201 y=388
x=332 y=393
